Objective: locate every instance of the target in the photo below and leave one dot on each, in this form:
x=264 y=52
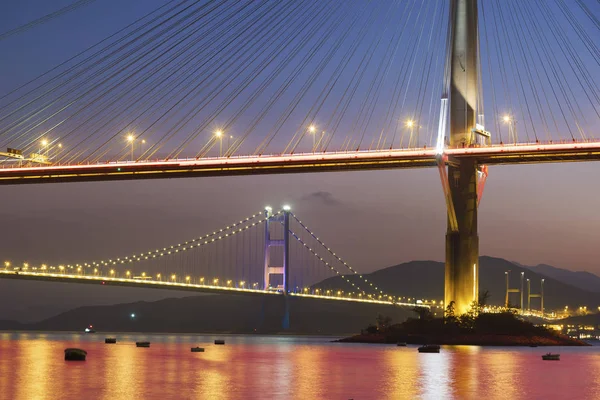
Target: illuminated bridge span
x=268 y=254
x=525 y=153
x=209 y=88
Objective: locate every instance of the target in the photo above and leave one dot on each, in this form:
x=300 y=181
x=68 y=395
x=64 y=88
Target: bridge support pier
x=462 y=245
x=462 y=241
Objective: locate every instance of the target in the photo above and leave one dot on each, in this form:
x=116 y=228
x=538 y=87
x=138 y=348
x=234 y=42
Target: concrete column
x=462 y=246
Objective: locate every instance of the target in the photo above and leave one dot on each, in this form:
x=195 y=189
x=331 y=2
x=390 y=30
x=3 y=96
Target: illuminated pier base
x=462 y=247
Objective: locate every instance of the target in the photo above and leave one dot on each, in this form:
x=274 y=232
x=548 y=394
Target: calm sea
x=32 y=367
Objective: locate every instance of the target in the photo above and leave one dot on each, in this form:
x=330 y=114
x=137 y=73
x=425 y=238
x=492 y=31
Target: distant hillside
x=425 y=279
x=221 y=313
x=581 y=279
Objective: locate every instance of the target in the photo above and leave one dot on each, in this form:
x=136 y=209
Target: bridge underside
x=301 y=163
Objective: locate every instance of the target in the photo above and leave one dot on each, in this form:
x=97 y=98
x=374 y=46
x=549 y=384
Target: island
x=475 y=328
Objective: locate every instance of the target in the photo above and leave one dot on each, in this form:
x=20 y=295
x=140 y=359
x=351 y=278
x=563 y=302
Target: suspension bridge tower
x=284 y=270
x=462 y=240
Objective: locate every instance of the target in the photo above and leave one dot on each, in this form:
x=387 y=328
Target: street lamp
x=312 y=129
x=410 y=124
x=512 y=131
x=44 y=149
x=131 y=139
x=229 y=138
x=219 y=135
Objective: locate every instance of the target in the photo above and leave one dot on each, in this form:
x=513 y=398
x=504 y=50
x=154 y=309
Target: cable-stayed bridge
x=216 y=88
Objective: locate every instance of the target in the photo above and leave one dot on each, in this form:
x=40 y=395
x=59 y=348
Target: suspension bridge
x=216 y=88
x=268 y=253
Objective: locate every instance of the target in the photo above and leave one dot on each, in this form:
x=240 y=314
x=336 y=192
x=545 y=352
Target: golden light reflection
x=500 y=373
x=435 y=381
x=123 y=377
x=37 y=372
x=307 y=380
x=403 y=378
x=464 y=369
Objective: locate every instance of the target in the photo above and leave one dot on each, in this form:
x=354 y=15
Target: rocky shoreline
x=466 y=340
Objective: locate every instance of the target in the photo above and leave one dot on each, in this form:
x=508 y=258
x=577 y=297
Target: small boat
x=89 y=330
x=551 y=357
x=401 y=344
x=219 y=341
x=110 y=340
x=197 y=349
x=429 y=348
x=142 y=344
x=72 y=354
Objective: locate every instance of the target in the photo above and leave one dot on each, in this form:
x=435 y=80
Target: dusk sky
x=531 y=214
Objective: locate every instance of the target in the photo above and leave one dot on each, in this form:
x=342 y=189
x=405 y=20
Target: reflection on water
x=254 y=367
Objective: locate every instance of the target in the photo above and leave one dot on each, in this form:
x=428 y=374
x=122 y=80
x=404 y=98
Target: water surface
x=32 y=367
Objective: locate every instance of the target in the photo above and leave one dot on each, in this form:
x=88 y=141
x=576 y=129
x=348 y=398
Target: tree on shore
x=423 y=312
x=383 y=322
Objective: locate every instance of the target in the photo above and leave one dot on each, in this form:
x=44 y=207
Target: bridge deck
x=297 y=163
x=152 y=284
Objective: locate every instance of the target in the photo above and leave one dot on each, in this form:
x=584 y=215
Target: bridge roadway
x=153 y=284
x=296 y=163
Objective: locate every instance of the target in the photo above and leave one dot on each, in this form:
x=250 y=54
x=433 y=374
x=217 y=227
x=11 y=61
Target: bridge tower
x=462 y=240
x=284 y=218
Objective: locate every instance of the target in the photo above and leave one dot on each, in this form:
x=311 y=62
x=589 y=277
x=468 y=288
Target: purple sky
x=530 y=214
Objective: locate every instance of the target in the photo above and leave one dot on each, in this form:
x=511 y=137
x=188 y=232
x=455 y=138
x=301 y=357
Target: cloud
x=323 y=197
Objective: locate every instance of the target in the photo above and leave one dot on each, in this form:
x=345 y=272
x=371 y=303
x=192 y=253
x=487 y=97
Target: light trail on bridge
x=300 y=163
x=154 y=284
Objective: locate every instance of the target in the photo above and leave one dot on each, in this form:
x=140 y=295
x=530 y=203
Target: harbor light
x=287 y=208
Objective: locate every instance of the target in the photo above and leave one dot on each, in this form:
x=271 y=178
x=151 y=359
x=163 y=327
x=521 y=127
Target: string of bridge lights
x=335 y=255
x=325 y=262
x=165 y=251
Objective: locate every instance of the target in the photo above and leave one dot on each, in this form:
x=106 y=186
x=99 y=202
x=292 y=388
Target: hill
x=580 y=279
x=221 y=313
x=425 y=279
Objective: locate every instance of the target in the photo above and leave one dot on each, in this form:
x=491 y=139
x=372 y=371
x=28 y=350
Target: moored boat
x=73 y=354
x=551 y=357
x=429 y=348
x=219 y=341
x=142 y=344
x=197 y=349
x=110 y=340
x=401 y=344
